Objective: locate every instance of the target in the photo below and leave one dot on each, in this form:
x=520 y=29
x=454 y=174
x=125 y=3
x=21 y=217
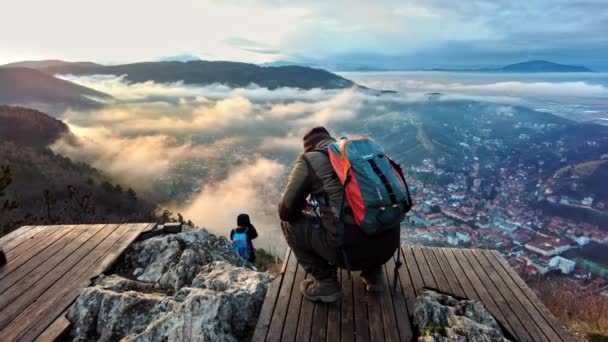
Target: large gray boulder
x=442 y=318
x=185 y=287
x=172 y=261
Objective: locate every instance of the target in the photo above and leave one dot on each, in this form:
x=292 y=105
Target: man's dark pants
x=318 y=251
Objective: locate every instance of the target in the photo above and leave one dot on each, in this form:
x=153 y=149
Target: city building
x=563 y=264
x=548 y=246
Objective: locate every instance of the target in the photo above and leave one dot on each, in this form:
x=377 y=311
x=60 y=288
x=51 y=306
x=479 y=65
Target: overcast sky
x=431 y=33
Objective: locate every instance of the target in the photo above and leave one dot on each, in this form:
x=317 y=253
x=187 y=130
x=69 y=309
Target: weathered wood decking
x=474 y=274
x=47 y=268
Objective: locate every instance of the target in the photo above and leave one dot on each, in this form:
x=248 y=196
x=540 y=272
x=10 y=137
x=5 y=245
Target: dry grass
x=582 y=169
x=267 y=262
x=585 y=314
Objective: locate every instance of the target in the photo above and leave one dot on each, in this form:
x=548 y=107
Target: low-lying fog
x=237 y=145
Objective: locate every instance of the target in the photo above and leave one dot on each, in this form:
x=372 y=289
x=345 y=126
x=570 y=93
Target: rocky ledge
x=442 y=318
x=184 y=287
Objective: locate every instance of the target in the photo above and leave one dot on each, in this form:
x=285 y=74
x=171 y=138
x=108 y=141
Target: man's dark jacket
x=313 y=174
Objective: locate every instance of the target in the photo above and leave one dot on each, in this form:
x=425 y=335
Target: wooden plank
x=425 y=270
x=18 y=304
x=408 y=290
x=285 y=258
x=63 y=249
x=293 y=312
x=31 y=270
x=463 y=280
x=278 y=318
x=272 y=295
x=150 y=226
x=107 y=259
x=319 y=322
x=347 y=310
x=333 y=318
x=101 y=262
x=472 y=289
x=449 y=273
x=503 y=304
x=38 y=316
x=399 y=301
x=494 y=303
x=30 y=233
x=31 y=246
x=15 y=233
x=412 y=266
x=55 y=330
x=360 y=301
x=31 y=258
x=376 y=324
x=389 y=321
x=261 y=328
x=524 y=292
x=503 y=290
x=442 y=283
x=305 y=322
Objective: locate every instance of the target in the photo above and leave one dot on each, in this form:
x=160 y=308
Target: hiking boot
x=373 y=279
x=326 y=290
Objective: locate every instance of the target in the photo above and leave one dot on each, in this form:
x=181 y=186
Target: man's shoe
x=325 y=290
x=373 y=280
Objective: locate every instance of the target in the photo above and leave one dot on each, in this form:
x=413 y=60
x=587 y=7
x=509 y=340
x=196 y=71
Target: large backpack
x=240 y=243
x=374 y=185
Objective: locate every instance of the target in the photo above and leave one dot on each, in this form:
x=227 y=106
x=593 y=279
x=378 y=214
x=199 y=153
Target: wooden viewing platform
x=47 y=268
x=483 y=275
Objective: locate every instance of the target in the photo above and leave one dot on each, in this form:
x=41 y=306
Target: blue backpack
x=374 y=185
x=240 y=243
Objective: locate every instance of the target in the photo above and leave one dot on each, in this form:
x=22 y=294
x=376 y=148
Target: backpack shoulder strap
x=402 y=176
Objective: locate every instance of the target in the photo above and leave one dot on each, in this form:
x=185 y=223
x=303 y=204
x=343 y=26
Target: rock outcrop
x=441 y=318
x=184 y=287
x=173 y=261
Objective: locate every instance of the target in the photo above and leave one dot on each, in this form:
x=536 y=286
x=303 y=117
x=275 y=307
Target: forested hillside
x=38 y=186
x=28 y=127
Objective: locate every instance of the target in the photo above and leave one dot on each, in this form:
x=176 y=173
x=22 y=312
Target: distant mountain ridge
x=522 y=67
x=233 y=74
x=525 y=67
x=543 y=66
x=49 y=63
x=20 y=85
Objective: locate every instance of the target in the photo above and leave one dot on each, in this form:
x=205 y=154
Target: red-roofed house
x=548 y=246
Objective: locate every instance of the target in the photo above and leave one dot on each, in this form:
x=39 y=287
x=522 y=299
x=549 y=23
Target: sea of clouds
x=245 y=139
x=578 y=96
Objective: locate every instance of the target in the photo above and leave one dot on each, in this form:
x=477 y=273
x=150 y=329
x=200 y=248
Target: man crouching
x=314 y=236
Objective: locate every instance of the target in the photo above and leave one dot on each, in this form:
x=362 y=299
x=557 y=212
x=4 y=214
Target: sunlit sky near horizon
x=382 y=33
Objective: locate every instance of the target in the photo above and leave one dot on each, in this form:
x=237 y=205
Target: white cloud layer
x=251 y=189
x=238 y=143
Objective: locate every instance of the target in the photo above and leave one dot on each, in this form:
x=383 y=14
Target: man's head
x=314 y=137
